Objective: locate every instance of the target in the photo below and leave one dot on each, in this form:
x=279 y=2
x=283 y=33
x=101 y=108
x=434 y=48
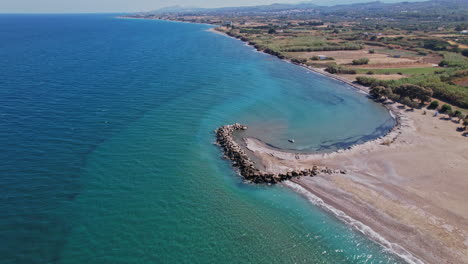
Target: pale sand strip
x=413 y=192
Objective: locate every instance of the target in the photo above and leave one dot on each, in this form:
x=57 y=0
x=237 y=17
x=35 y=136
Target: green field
x=406 y=71
x=399 y=52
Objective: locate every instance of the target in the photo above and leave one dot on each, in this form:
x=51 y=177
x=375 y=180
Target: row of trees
x=405 y=94
x=337 y=69
x=450 y=93
x=324 y=48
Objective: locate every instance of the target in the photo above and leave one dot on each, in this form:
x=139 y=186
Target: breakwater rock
x=236 y=154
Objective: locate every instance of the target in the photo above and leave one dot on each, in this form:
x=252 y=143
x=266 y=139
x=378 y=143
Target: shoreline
x=357 y=87
x=320 y=71
x=412 y=191
x=384 y=225
x=349 y=219
x=323 y=201
x=419 y=215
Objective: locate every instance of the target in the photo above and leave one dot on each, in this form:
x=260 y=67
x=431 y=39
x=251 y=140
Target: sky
x=107 y=6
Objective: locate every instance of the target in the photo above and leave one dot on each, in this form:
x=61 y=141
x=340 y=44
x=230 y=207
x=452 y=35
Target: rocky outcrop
x=236 y=154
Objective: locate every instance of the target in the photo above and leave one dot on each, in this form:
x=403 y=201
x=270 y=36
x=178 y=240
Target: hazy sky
x=21 y=6
x=79 y=6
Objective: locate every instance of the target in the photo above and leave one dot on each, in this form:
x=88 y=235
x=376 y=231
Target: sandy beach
x=411 y=191
x=409 y=187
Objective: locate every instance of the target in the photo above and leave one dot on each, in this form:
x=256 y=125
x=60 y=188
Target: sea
x=107 y=154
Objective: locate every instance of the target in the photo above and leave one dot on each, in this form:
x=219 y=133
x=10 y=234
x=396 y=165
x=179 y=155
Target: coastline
x=411 y=191
x=384 y=190
x=374 y=201
x=359 y=87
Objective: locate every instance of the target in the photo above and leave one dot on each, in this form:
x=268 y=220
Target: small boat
x=291 y=140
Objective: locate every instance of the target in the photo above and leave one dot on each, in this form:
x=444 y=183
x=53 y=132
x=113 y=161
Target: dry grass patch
x=347 y=57
x=352 y=77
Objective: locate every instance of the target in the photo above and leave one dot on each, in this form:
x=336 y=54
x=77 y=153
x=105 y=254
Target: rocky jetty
x=238 y=157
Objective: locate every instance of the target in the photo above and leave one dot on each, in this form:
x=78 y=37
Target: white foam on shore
x=367 y=231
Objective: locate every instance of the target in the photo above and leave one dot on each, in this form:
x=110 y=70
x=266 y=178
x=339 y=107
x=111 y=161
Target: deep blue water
x=107 y=156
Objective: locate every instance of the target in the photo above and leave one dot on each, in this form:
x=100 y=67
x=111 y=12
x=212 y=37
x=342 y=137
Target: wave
x=366 y=230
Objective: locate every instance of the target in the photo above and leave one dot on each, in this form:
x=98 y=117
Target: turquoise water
x=107 y=155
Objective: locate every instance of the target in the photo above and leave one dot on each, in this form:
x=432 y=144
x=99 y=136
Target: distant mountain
x=260 y=8
x=178 y=9
x=326 y=6
x=348 y=2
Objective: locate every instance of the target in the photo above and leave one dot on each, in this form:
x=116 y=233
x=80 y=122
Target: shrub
x=361 y=61
x=446 y=108
x=433 y=105
x=465 y=52
x=337 y=69
x=274 y=53
x=394 y=97
x=458 y=114
x=413 y=104
x=328 y=47
x=414 y=92
x=370 y=72
x=299 y=60
x=453 y=60
x=379 y=91
x=315 y=58
x=406 y=101
x=435 y=44
x=370 y=82
x=371 y=51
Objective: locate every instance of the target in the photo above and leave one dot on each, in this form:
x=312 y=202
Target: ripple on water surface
x=107 y=127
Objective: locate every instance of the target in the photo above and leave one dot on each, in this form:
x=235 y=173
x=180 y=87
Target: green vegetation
x=361 y=61
x=337 y=69
x=405 y=94
x=434 y=44
x=298 y=42
x=453 y=94
x=327 y=47
x=458 y=114
x=446 y=108
x=371 y=82
x=465 y=52
x=414 y=92
x=401 y=52
x=407 y=71
x=408 y=102
x=434 y=105
x=379 y=91
x=399 y=36
x=299 y=61
x=453 y=60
